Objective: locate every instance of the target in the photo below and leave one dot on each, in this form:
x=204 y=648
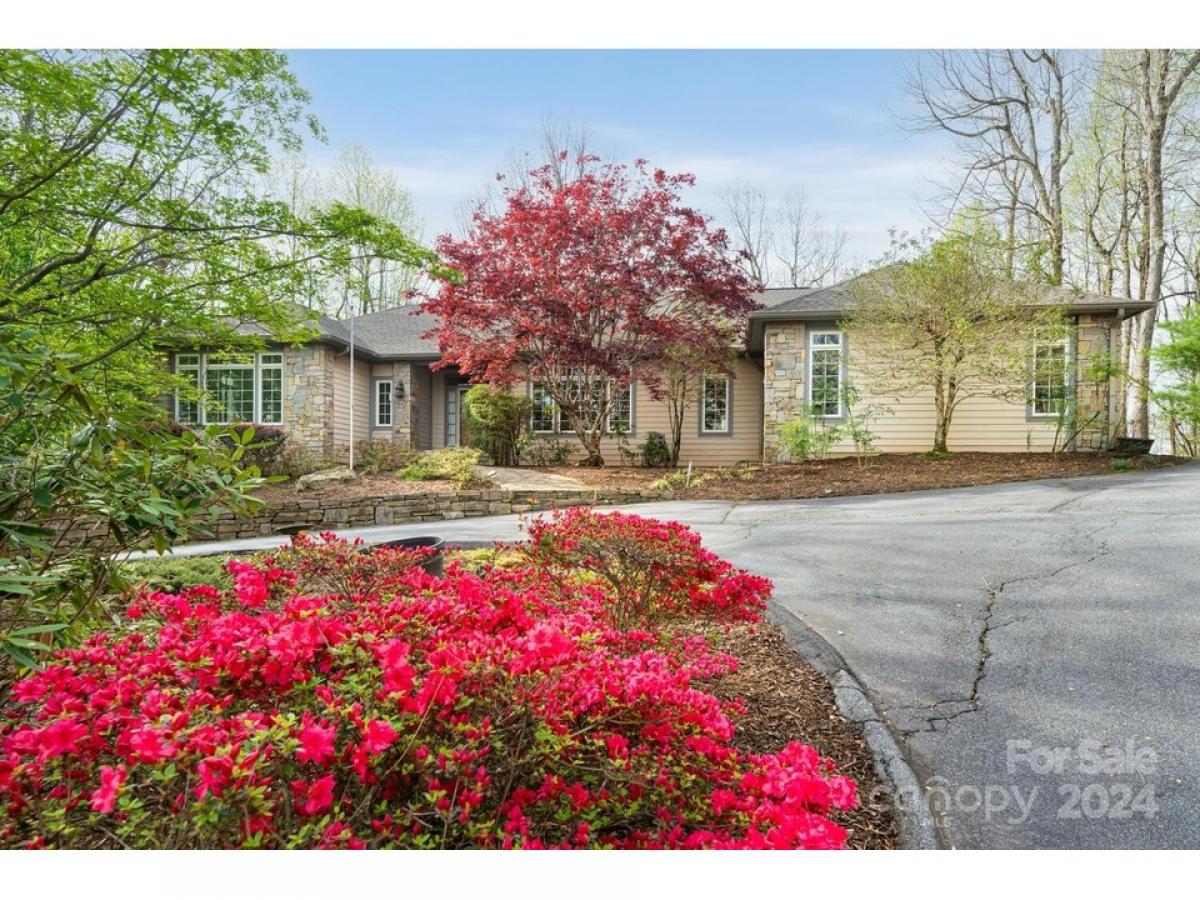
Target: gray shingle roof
x=838 y=299
x=327 y=328
x=832 y=299
x=835 y=301
x=389 y=333
x=395 y=332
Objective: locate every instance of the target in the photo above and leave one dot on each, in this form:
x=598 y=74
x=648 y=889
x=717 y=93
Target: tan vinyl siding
x=340 y=366
x=980 y=423
x=744 y=442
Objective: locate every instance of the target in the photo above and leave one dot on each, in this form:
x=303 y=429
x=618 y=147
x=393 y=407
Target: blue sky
x=445 y=121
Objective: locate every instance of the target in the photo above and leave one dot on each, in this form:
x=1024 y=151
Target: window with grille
x=383 y=404
x=240 y=387
x=825 y=373
x=620 y=411
x=714 y=414
x=544 y=417
x=1050 y=385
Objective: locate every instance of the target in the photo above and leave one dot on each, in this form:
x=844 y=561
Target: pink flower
x=314 y=799
x=59 y=738
x=148 y=745
x=378 y=736
x=215 y=773
x=316 y=743
x=249 y=584
x=112 y=780
x=398 y=675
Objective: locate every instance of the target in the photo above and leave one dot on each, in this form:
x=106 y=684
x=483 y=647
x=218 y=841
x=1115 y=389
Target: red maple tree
x=580 y=287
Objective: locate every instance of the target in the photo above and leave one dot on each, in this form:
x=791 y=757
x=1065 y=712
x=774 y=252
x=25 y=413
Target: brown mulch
x=383 y=484
x=788 y=701
x=878 y=474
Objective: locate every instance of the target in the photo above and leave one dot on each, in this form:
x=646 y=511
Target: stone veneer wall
x=401 y=508
x=404 y=418
x=1095 y=396
x=396 y=509
x=308 y=398
x=783 y=380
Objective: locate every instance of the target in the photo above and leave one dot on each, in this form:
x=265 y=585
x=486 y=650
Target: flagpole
x=352 y=389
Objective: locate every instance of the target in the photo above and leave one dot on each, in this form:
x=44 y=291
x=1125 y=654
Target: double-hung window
x=270 y=388
x=825 y=363
x=547 y=417
x=544 y=419
x=187 y=402
x=620 y=410
x=1049 y=383
x=714 y=404
x=229 y=388
x=383 y=404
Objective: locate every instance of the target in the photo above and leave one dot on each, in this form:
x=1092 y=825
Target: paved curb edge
x=915 y=825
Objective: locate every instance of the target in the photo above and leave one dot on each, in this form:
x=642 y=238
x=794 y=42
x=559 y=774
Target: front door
x=464 y=421
x=456 y=424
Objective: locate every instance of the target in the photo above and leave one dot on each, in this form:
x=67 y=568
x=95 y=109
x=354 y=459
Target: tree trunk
x=676 y=408
x=942 y=427
x=1153 y=70
x=591 y=446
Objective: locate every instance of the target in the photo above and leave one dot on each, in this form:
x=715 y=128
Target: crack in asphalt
x=973 y=701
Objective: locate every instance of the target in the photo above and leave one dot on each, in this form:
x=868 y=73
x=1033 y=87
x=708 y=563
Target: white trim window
x=1049 y=382
x=270 y=389
x=714 y=404
x=620 y=410
x=187 y=409
x=383 y=404
x=825 y=364
x=544 y=418
x=237 y=387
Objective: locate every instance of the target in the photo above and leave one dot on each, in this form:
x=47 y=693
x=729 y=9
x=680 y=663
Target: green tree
x=129 y=218
x=128 y=209
x=941 y=318
x=1179 y=360
x=500 y=419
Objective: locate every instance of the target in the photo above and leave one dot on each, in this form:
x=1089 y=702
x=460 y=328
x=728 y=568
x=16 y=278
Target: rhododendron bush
x=338 y=698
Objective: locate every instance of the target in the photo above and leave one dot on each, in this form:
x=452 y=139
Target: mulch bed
x=878 y=474
x=787 y=701
x=383 y=484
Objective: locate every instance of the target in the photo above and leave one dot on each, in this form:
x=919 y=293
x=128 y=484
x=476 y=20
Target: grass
x=172 y=573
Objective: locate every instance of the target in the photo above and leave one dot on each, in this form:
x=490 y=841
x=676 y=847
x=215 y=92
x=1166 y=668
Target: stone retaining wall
x=333 y=514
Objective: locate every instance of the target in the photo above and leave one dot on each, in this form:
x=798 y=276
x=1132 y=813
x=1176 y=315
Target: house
x=795 y=350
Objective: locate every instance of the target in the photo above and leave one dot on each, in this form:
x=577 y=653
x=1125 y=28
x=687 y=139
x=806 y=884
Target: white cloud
x=866 y=188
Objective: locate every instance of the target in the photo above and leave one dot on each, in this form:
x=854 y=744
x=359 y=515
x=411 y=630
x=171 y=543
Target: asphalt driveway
x=1036 y=646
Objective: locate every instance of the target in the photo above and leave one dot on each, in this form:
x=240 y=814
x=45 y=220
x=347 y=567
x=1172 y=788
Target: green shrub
x=546 y=451
x=455 y=464
x=375 y=455
x=808 y=438
x=655 y=453
x=683 y=478
x=496 y=421
x=297 y=460
x=173 y=573
x=263 y=446
x=1121 y=465
x=118 y=471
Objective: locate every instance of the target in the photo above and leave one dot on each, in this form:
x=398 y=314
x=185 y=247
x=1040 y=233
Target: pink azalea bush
x=501 y=709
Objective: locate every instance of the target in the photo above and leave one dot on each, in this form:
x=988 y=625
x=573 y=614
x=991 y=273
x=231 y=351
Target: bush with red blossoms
x=654 y=571
x=511 y=708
